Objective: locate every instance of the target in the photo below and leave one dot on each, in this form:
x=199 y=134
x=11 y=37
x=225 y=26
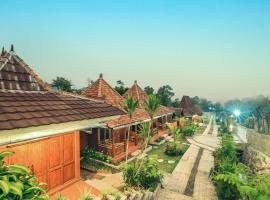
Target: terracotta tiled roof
x=26 y=109
x=163 y=110
x=138 y=116
x=137 y=93
x=15 y=74
x=28 y=101
x=187 y=108
x=102 y=90
x=140 y=113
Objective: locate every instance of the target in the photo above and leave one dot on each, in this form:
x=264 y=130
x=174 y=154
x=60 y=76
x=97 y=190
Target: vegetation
x=160 y=154
x=256 y=111
x=149 y=90
x=173 y=149
x=146 y=176
x=92 y=153
x=145 y=133
x=233 y=179
x=188 y=130
x=86 y=195
x=120 y=87
x=17 y=182
x=63 y=84
x=130 y=107
x=165 y=94
x=151 y=105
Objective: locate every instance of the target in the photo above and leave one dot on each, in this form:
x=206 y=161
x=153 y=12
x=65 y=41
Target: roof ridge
x=32 y=72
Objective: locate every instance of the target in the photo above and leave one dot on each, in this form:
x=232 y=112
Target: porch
x=114 y=142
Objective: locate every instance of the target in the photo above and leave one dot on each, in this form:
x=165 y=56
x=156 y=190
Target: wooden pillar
x=98 y=135
x=113 y=149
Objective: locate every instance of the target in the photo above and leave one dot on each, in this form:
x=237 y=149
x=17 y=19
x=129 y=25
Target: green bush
x=189 y=130
x=233 y=179
x=16 y=182
x=144 y=174
x=227 y=151
x=173 y=149
x=92 y=153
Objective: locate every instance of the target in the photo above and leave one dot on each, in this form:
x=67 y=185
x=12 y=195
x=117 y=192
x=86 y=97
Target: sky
x=218 y=49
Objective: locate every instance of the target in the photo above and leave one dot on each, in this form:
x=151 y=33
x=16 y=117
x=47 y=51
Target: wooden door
x=55 y=154
x=69 y=158
x=54 y=160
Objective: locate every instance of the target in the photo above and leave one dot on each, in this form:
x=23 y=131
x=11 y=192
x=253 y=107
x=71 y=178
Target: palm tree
x=145 y=133
x=175 y=132
x=130 y=107
x=152 y=105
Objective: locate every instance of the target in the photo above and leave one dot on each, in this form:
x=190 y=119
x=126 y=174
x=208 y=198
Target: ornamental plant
x=17 y=182
x=146 y=176
x=92 y=153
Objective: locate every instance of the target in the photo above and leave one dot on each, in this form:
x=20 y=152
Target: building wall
x=54 y=160
x=90 y=140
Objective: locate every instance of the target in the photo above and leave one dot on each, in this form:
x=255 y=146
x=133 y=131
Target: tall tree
x=120 y=87
x=165 y=94
x=130 y=107
x=63 y=84
x=149 y=90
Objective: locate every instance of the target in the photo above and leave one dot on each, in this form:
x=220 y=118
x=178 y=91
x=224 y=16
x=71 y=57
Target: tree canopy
x=63 y=84
x=120 y=87
x=165 y=94
x=149 y=90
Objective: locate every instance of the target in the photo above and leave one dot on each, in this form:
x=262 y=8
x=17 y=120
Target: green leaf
x=4 y=187
x=19 y=168
x=4 y=154
x=15 y=189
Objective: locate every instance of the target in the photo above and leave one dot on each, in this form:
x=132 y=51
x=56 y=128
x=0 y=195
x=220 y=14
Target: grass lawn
x=159 y=153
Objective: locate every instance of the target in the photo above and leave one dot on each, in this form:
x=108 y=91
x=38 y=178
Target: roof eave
x=31 y=133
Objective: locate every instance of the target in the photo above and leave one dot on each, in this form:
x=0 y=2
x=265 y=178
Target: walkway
x=190 y=179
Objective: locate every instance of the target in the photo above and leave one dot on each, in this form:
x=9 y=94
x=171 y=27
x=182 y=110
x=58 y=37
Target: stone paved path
x=191 y=175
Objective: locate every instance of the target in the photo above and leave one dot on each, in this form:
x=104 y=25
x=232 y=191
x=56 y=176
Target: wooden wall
x=90 y=140
x=54 y=160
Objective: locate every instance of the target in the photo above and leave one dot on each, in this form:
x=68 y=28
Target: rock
x=160 y=160
x=256 y=160
x=171 y=161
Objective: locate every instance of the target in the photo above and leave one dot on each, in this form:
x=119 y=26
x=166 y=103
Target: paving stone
x=175 y=184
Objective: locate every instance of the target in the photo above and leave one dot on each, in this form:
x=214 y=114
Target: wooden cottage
x=42 y=126
x=163 y=115
x=187 y=109
x=111 y=139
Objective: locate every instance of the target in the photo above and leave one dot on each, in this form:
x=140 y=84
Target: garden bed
x=98 y=166
x=158 y=152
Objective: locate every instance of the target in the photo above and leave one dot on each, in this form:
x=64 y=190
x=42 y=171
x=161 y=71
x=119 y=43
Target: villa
x=111 y=139
x=42 y=126
x=187 y=109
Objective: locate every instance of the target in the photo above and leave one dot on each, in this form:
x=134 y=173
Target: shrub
x=91 y=153
x=17 y=182
x=144 y=174
x=233 y=179
x=173 y=149
x=189 y=130
x=227 y=151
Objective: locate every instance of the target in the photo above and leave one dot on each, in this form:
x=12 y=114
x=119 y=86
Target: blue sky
x=217 y=49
